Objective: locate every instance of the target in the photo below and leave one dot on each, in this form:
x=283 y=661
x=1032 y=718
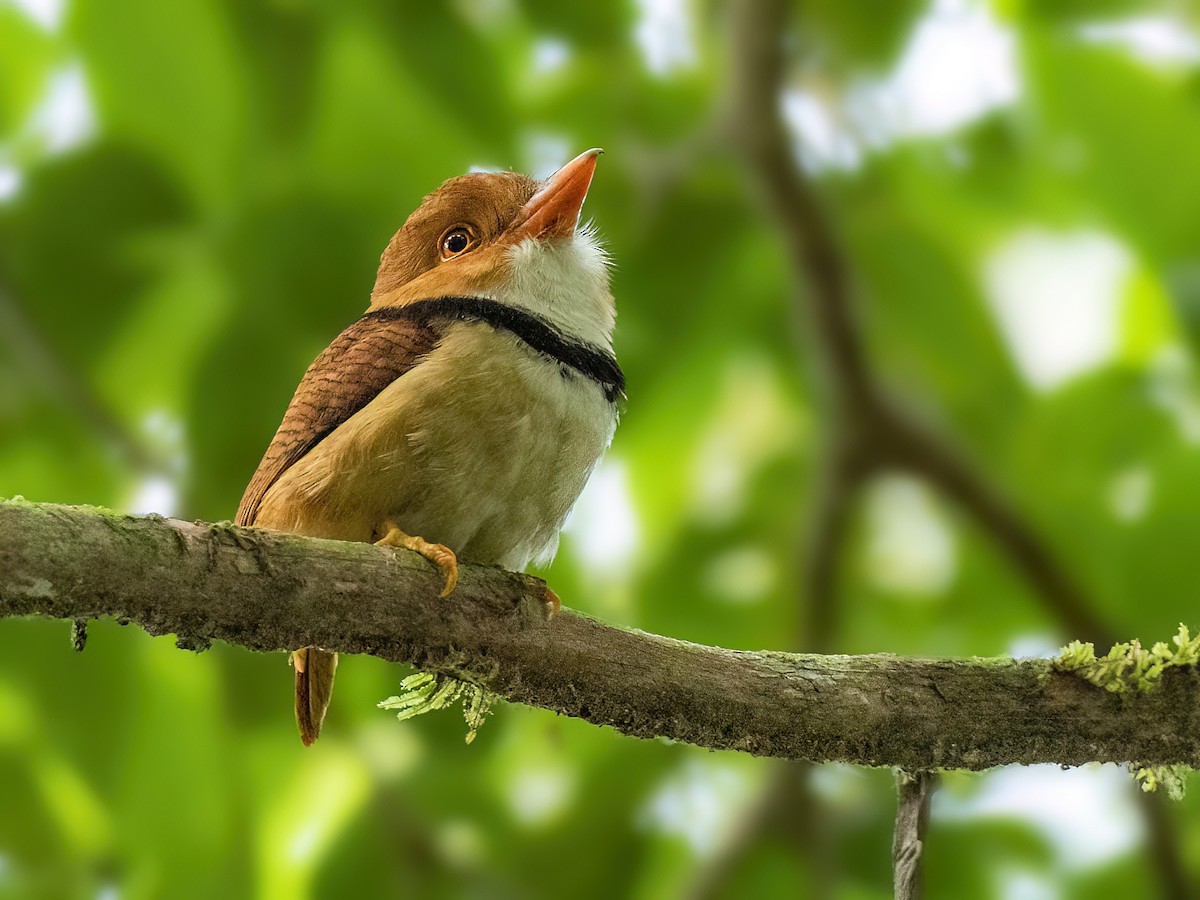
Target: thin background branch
x=45 y=367
x=914 y=790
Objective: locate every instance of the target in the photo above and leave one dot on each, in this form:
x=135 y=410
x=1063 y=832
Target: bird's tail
x=314 y=686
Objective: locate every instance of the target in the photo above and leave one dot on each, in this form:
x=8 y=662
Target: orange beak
x=553 y=212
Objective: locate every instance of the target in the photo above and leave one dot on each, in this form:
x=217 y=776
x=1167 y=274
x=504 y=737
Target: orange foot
x=553 y=604
x=438 y=554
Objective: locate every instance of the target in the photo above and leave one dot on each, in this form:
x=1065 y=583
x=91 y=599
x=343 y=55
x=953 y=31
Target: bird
x=462 y=413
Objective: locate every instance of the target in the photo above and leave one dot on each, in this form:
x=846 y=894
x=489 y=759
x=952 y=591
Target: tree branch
x=756 y=131
x=270 y=591
x=914 y=790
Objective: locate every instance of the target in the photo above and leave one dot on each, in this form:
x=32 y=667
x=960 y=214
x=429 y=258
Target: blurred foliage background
x=193 y=197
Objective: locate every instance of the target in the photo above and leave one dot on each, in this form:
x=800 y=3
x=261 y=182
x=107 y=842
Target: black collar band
x=586 y=359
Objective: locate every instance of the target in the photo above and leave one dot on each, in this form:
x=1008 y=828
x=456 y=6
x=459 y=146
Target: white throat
x=566 y=283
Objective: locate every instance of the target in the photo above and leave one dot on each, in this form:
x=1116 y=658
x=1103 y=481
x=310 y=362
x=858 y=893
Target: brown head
x=460 y=240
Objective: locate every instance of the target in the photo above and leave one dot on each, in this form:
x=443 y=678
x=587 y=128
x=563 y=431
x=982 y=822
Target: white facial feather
x=566 y=283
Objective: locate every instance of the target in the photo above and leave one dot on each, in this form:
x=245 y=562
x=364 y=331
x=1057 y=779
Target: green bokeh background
x=179 y=240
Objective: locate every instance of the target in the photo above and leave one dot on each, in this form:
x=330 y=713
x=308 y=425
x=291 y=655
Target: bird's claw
x=438 y=554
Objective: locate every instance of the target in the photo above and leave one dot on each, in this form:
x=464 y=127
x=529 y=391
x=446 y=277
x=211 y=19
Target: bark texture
x=266 y=591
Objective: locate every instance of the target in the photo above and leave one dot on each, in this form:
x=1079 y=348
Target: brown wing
x=362 y=361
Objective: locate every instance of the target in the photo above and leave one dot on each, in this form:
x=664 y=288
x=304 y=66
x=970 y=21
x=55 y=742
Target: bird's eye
x=456 y=241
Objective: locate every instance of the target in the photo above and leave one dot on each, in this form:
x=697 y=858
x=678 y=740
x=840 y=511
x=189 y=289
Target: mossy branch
x=1131 y=667
x=265 y=591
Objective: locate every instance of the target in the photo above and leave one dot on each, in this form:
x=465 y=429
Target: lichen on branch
x=1130 y=666
x=424 y=692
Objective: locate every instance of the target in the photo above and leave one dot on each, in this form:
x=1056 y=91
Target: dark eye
x=456 y=241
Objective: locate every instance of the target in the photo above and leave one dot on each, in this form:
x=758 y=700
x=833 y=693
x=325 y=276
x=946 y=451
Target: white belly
x=483 y=447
